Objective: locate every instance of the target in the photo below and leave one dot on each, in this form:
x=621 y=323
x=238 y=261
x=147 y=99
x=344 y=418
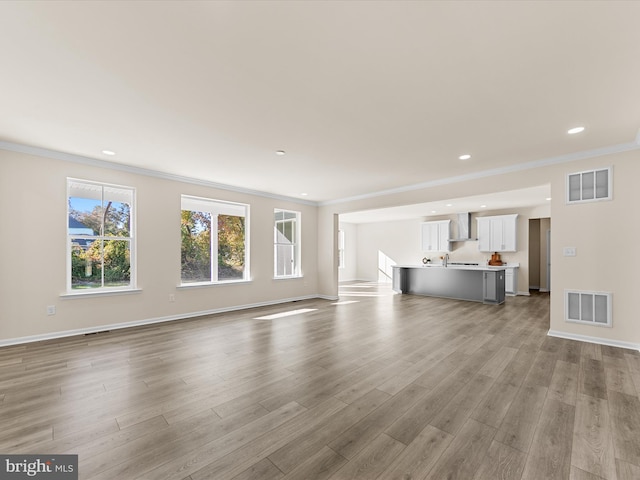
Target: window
x=286 y=244
x=208 y=254
x=589 y=186
x=100 y=247
x=340 y=249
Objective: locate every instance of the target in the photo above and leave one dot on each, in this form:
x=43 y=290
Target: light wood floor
x=388 y=387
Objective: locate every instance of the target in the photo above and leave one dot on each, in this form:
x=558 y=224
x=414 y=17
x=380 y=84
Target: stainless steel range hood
x=464 y=227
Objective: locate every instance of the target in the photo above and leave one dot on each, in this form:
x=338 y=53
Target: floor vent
x=591 y=308
x=96 y=333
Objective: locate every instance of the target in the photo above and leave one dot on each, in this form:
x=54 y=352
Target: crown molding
x=94 y=162
x=571 y=157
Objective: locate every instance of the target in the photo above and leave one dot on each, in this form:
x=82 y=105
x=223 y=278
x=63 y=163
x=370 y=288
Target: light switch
x=569 y=251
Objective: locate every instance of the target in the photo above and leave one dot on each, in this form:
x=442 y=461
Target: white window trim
x=102 y=293
x=289 y=277
x=212 y=284
x=205 y=203
x=298 y=260
x=133 y=266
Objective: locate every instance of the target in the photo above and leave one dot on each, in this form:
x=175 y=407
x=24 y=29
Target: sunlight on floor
x=365 y=289
x=286 y=314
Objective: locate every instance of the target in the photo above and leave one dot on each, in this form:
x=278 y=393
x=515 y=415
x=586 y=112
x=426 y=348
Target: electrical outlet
x=172 y=297
x=51 y=310
x=570 y=251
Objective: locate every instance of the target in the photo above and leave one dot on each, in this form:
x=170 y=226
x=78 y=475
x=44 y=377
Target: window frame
x=297 y=244
x=131 y=239
x=211 y=202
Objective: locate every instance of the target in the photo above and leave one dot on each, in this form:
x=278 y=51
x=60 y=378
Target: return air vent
x=591 y=308
x=589 y=186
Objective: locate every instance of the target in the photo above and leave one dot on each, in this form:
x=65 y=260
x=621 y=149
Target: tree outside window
x=201 y=243
x=99 y=232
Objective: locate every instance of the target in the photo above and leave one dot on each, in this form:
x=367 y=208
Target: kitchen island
x=476 y=283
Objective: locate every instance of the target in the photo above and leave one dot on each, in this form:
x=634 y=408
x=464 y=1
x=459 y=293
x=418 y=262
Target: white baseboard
x=149 y=321
x=328 y=297
x=544 y=290
x=534 y=287
x=526 y=294
x=597 y=340
x=357 y=280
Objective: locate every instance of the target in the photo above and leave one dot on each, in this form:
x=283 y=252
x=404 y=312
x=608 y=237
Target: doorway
x=540 y=254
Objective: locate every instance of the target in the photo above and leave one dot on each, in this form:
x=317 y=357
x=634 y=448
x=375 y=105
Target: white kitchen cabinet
x=435 y=236
x=497 y=233
x=484 y=234
x=511 y=280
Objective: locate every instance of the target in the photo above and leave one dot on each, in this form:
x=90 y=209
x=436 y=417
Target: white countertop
x=461 y=267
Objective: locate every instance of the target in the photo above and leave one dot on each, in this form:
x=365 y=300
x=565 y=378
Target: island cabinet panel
x=435 y=236
x=493 y=286
x=476 y=284
x=497 y=233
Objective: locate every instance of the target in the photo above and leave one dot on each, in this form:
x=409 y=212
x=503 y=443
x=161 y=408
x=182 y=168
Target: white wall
x=400 y=240
x=33 y=241
x=349 y=272
x=33 y=219
x=604 y=233
x=397 y=241
x=545 y=225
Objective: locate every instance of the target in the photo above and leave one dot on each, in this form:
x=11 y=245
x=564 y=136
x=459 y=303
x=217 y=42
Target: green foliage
x=195 y=253
x=117 y=262
x=230 y=246
x=78 y=264
x=114 y=255
x=195 y=250
x=114 y=220
x=86 y=265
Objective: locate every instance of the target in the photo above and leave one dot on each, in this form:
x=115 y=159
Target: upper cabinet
x=497 y=233
x=435 y=236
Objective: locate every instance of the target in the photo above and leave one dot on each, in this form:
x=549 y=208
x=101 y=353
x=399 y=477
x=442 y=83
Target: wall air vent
x=590 y=308
x=589 y=186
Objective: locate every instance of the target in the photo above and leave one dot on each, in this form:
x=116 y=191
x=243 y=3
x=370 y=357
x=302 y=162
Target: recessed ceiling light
x=433 y=211
x=449 y=204
x=575 y=130
x=280 y=152
x=483 y=206
x=109 y=152
x=304 y=194
x=548 y=198
x=466 y=156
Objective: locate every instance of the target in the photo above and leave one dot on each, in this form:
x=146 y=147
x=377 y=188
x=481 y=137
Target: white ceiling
x=363 y=96
x=512 y=199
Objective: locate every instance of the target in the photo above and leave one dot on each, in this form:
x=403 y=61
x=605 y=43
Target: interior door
x=549 y=260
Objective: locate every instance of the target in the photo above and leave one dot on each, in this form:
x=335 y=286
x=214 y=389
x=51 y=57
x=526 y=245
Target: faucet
x=445 y=259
